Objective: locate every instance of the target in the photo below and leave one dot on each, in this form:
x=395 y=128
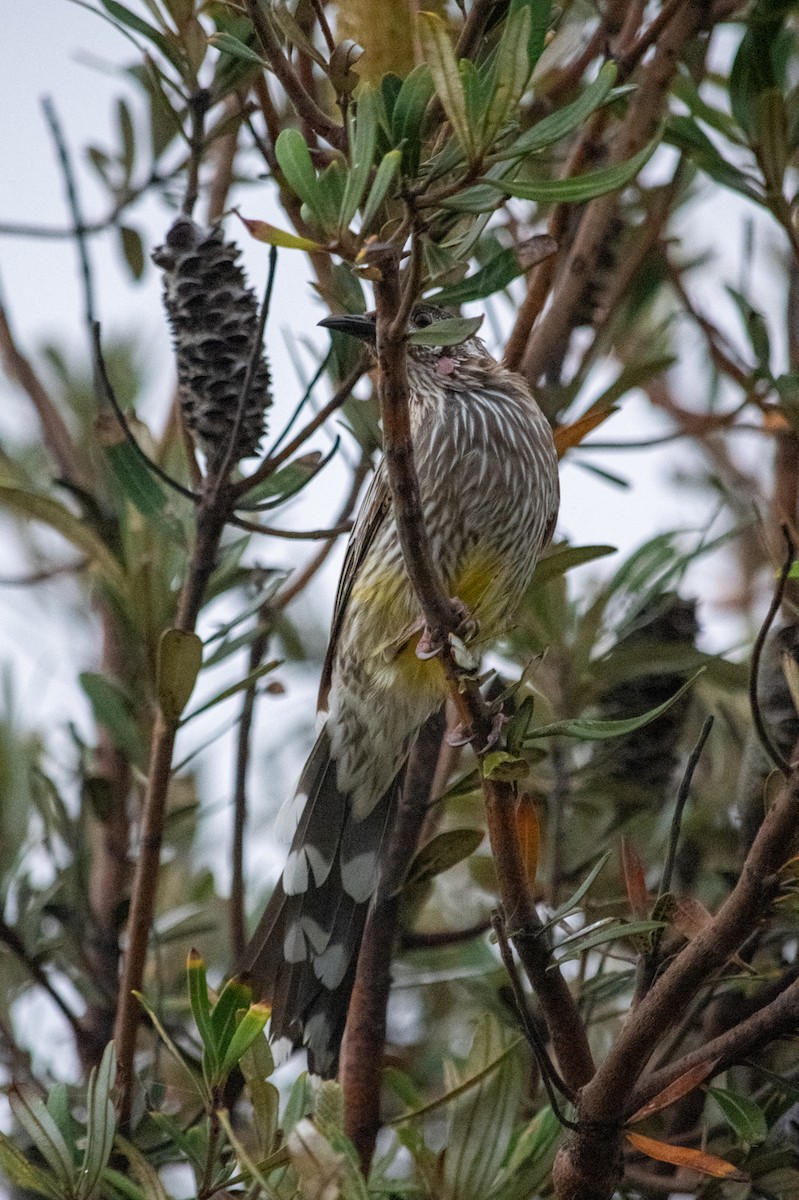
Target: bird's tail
x=302 y=956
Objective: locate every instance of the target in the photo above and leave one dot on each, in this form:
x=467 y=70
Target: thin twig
x=682 y=797
x=108 y=395
x=198 y=107
x=757 y=651
x=11 y=939
x=78 y=227
x=270 y=464
x=549 y=1075
x=441 y=939
x=306 y=106
x=55 y=433
x=293 y=535
x=361 y=1068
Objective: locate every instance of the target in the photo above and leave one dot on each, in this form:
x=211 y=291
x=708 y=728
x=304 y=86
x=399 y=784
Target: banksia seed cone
x=214 y=318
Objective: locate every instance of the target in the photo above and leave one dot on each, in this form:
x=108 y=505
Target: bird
x=488 y=479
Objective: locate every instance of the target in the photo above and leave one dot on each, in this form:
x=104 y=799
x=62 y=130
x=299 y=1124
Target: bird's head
x=444 y=360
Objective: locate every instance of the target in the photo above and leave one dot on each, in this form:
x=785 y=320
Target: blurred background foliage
x=541 y=131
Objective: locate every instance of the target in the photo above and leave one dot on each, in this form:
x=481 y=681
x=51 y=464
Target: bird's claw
x=460 y=736
x=429 y=646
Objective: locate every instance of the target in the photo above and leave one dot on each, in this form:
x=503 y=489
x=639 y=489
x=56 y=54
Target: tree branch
x=361 y=1068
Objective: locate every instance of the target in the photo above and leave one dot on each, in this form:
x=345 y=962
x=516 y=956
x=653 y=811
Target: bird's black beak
x=362 y=327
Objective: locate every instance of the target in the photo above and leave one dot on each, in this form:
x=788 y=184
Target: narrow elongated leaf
x=363 y=152
x=180 y=656
x=556 y=126
x=134 y=478
x=101 y=1125
x=541 y=13
x=113 y=709
x=574 y=900
x=201 y=1011
x=132 y=21
x=684 y=1156
x=566 y=437
x=234 y=998
x=511 y=72
x=561 y=561
x=580 y=187
x=24 y=1174
x=449 y=332
x=440 y=57
x=409 y=108
x=746 y=1119
x=262 y=231
x=234 y=688
x=675 y=1091
x=257 y=1065
x=384 y=177
x=41 y=508
x=442 y=852
x=250 y=1027
x=228 y=44
x=31 y=1113
x=603 y=932
x=495 y=275
x=149 y=1180
x=584 y=729
x=294 y=160
x=196 y=1084
x=481 y=1120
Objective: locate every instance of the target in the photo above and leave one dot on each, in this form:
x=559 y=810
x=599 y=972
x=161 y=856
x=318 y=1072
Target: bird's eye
x=422 y=320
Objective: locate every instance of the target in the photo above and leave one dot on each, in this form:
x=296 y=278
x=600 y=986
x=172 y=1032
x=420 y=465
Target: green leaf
x=257 y=1065
x=442 y=852
x=24 y=1174
x=481 y=1120
x=746 y=1119
x=540 y=12
x=585 y=729
x=600 y=934
x=409 y=109
x=101 y=1124
x=329 y=1108
x=132 y=250
x=234 y=689
x=576 y=898
x=493 y=277
x=554 y=565
x=556 y=126
x=580 y=187
x=151 y=1186
x=363 y=144
x=41 y=508
x=31 y=1113
x=452 y=331
x=196 y=1084
x=294 y=160
x=113 y=709
x=234 y=998
x=439 y=55
x=134 y=22
x=250 y=1027
x=134 y=478
x=684 y=133
x=294 y=32
x=755 y=328
x=262 y=231
x=384 y=177
x=506 y=767
x=201 y=1011
x=511 y=72
x=180 y=656
x=298 y=1104
x=226 y=43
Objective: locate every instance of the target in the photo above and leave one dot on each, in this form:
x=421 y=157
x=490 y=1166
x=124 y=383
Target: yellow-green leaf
x=180 y=656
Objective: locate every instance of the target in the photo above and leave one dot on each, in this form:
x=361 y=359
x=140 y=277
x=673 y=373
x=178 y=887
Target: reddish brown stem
x=361 y=1068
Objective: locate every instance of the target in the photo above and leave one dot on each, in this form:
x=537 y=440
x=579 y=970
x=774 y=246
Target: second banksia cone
x=214 y=320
